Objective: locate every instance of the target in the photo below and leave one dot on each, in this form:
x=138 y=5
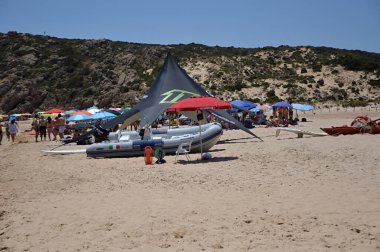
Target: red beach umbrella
x=54 y=111
x=81 y=112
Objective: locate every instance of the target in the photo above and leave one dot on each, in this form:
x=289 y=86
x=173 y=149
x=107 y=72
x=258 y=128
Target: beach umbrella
x=255 y=109
x=79 y=117
x=233 y=110
x=122 y=110
x=302 y=107
x=199 y=103
x=69 y=112
x=266 y=107
x=102 y=115
x=283 y=104
x=112 y=111
x=81 y=126
x=93 y=109
x=243 y=104
x=81 y=112
x=54 y=111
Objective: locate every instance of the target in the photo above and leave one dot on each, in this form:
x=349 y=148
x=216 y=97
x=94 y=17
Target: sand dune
x=283 y=194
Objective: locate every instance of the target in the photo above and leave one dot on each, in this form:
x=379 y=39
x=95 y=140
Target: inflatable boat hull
x=210 y=135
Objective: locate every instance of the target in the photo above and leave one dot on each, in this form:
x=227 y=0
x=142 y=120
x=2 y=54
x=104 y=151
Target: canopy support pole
x=200 y=134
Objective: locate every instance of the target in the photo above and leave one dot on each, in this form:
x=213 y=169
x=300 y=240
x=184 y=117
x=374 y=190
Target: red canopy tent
x=199 y=103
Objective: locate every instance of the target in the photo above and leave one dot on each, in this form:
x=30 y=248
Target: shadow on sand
x=211 y=160
x=235 y=140
x=216 y=150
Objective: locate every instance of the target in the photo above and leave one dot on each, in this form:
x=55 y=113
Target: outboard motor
x=100 y=134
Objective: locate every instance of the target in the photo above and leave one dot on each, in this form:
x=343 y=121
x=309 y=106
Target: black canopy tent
x=171 y=85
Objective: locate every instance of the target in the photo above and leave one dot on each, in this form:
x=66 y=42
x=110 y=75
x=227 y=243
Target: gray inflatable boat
x=129 y=144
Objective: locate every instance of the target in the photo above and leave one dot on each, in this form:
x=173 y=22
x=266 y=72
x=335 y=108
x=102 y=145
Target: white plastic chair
x=182 y=150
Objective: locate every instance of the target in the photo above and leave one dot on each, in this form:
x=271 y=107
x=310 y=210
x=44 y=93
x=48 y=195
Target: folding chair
x=182 y=150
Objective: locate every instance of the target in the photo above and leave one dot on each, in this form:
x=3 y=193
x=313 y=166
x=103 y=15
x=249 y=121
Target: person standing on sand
x=7 y=130
x=55 y=128
x=36 y=126
x=13 y=129
x=43 y=125
x=50 y=127
x=61 y=126
x=1 y=133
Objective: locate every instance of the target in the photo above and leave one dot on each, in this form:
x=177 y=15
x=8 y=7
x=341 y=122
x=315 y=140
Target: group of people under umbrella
x=253 y=113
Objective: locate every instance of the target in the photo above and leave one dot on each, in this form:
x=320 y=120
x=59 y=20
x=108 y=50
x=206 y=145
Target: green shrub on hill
x=316 y=67
x=321 y=82
x=375 y=83
x=272 y=97
x=233 y=87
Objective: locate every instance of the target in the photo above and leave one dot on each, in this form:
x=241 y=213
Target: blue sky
x=348 y=24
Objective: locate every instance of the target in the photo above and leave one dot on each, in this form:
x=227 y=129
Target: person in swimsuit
x=13 y=129
x=7 y=130
x=61 y=126
x=43 y=125
x=50 y=127
x=36 y=126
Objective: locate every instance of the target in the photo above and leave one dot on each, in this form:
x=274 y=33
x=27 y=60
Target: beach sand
x=283 y=194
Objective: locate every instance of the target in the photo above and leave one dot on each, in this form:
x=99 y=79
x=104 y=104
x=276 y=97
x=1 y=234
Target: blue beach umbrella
x=79 y=117
x=93 y=109
x=302 y=107
x=69 y=112
x=243 y=104
x=266 y=107
x=102 y=115
x=255 y=109
x=283 y=104
x=233 y=110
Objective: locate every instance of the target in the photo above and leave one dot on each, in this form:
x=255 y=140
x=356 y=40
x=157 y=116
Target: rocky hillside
x=41 y=72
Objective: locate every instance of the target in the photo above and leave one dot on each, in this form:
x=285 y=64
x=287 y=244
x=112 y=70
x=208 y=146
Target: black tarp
x=172 y=84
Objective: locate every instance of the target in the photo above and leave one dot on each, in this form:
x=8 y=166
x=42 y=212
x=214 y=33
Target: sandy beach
x=283 y=194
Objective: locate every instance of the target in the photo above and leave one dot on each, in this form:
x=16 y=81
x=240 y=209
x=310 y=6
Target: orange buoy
x=148 y=155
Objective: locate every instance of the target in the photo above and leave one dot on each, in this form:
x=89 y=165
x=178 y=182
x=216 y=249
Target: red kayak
x=361 y=125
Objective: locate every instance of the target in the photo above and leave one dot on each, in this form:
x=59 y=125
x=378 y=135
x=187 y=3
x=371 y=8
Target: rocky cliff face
x=40 y=72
